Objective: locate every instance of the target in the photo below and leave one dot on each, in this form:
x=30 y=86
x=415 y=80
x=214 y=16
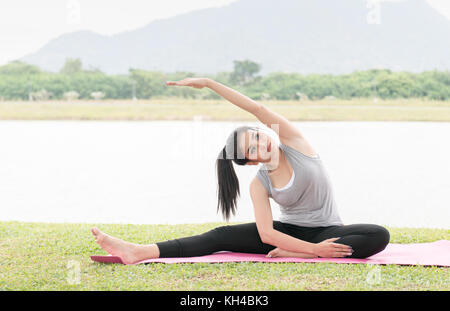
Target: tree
x=147 y=84
x=41 y=95
x=72 y=65
x=71 y=95
x=19 y=68
x=97 y=95
x=244 y=71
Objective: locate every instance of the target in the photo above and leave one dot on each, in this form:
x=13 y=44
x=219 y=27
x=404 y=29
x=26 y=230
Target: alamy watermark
x=73 y=272
x=374 y=14
x=73 y=12
x=374 y=10
x=195 y=143
x=374 y=275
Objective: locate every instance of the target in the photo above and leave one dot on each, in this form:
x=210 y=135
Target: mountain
x=304 y=36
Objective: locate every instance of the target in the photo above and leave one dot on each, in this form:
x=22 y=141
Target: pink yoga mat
x=425 y=254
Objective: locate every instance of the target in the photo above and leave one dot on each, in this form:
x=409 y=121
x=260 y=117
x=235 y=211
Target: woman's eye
x=257 y=136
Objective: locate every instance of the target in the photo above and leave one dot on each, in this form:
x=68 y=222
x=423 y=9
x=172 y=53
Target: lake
x=163 y=172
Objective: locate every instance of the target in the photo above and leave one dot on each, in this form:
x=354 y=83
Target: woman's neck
x=275 y=168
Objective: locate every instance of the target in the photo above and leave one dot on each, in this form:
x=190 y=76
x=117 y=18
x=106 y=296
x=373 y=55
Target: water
x=388 y=173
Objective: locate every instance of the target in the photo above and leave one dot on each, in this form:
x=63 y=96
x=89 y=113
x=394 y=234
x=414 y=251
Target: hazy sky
x=27 y=25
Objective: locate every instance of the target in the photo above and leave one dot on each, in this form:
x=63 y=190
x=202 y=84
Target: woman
x=291 y=173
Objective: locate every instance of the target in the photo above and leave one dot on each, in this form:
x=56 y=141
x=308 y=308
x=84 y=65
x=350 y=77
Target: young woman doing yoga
x=291 y=173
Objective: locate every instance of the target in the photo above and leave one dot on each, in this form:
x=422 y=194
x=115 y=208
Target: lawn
x=222 y=110
x=43 y=256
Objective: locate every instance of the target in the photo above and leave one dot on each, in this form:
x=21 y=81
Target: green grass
x=37 y=256
x=222 y=110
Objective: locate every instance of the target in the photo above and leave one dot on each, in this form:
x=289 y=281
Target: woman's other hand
x=198 y=83
x=328 y=249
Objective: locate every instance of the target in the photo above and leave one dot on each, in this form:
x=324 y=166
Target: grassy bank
x=221 y=110
x=38 y=256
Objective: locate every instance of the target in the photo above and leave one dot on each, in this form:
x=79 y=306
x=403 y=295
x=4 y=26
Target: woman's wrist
x=313 y=249
x=208 y=82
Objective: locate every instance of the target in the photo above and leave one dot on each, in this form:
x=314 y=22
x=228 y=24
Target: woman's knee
x=376 y=241
x=367 y=240
x=238 y=232
x=233 y=234
x=382 y=235
x=219 y=234
x=240 y=238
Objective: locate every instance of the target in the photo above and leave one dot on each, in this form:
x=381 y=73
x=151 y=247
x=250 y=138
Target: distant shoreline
x=220 y=110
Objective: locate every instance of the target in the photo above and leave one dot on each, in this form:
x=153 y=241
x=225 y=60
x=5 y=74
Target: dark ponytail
x=228 y=182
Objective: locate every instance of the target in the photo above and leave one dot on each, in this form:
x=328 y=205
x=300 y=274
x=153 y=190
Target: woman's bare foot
x=128 y=252
x=278 y=252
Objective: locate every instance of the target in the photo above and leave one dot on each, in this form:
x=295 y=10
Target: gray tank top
x=307 y=200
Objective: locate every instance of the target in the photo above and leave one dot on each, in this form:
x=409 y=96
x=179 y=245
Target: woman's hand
x=278 y=252
x=198 y=83
x=329 y=249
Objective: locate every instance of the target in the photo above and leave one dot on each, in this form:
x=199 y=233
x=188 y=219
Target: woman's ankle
x=148 y=251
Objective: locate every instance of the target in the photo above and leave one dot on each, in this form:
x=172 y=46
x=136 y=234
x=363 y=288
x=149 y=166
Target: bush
x=72 y=95
x=41 y=95
x=97 y=95
x=18 y=79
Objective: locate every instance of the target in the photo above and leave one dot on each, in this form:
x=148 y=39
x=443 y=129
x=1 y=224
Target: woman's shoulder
x=299 y=144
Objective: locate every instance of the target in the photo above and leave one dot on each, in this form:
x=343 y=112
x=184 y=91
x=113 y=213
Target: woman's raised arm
x=234 y=97
x=282 y=126
x=229 y=94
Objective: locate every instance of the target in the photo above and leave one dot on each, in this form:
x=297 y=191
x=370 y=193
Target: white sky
x=27 y=25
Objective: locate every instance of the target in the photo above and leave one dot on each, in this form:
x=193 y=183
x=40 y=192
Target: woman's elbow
x=266 y=237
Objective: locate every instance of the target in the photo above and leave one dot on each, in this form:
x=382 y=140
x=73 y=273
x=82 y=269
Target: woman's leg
x=237 y=238
x=365 y=239
x=243 y=238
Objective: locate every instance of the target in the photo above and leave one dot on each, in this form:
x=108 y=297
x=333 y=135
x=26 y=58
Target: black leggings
x=365 y=239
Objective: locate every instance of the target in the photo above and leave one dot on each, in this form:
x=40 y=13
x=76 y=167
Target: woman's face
x=258 y=146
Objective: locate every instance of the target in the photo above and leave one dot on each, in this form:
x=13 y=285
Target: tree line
x=21 y=81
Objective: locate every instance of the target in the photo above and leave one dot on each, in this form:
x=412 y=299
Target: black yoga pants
x=365 y=239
